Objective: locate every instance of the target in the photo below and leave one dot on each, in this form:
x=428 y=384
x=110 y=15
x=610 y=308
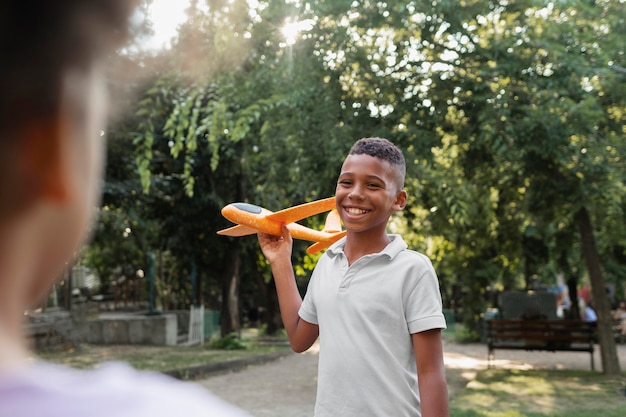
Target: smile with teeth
x=356 y=211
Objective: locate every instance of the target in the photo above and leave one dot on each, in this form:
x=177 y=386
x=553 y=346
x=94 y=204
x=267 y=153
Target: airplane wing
x=237 y=231
x=293 y=214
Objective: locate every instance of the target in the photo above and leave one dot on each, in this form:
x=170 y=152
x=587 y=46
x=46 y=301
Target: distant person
x=590 y=313
x=619 y=315
x=52 y=109
x=375 y=304
x=562 y=302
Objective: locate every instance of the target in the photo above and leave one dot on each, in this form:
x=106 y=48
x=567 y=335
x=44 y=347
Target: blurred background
x=511 y=115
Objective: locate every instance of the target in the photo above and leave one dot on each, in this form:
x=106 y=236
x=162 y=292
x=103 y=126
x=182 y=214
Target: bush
x=231 y=341
x=465 y=335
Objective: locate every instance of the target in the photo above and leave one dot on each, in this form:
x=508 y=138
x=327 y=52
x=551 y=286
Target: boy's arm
x=277 y=251
x=431 y=373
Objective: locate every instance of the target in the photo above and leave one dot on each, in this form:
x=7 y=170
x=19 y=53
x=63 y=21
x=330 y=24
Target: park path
x=286 y=387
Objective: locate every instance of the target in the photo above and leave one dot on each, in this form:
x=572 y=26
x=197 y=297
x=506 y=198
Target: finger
x=286 y=234
x=264 y=238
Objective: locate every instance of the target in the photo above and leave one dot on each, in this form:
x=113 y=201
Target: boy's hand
x=276 y=247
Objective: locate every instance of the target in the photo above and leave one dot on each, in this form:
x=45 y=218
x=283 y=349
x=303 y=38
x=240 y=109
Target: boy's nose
x=356 y=193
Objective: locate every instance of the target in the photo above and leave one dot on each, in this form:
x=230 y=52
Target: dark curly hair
x=41 y=40
x=383 y=149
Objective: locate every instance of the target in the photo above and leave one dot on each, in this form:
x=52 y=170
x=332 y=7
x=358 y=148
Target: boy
x=375 y=305
x=52 y=105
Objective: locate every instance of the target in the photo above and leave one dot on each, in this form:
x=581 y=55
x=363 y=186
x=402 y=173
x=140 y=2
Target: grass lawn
x=163 y=358
x=156 y=358
x=540 y=393
x=492 y=393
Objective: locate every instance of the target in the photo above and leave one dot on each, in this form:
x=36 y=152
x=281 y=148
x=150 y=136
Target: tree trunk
x=572 y=286
x=271 y=318
x=608 y=351
x=229 y=316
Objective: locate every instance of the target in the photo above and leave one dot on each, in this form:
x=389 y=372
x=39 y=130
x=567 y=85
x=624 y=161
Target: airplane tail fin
x=332 y=225
x=333 y=222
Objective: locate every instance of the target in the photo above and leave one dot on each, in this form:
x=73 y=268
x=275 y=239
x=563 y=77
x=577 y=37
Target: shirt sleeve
x=423 y=305
x=308 y=311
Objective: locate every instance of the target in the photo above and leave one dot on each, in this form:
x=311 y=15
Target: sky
x=165 y=16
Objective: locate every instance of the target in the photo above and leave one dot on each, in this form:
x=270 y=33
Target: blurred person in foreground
x=53 y=105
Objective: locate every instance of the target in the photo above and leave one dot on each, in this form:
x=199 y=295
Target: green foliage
x=231 y=341
x=511 y=115
x=113 y=253
x=466 y=335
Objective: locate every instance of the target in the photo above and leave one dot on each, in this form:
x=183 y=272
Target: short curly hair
x=383 y=149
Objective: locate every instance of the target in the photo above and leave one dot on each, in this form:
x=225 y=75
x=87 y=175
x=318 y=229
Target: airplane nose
x=237 y=212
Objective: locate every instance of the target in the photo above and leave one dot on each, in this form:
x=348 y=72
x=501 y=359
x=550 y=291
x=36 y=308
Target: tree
x=250 y=122
x=542 y=72
x=509 y=110
x=511 y=115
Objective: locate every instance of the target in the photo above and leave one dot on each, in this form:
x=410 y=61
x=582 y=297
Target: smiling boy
x=374 y=304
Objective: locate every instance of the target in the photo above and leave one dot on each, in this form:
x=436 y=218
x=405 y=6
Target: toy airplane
x=251 y=219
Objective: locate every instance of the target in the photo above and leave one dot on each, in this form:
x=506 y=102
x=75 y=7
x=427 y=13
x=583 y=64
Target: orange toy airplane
x=251 y=219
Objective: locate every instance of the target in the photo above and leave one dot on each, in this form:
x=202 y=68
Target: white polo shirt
x=366 y=314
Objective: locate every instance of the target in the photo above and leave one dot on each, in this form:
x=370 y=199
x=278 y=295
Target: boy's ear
x=40 y=159
x=400 y=202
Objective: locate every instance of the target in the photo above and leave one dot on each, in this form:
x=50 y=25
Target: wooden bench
x=547 y=335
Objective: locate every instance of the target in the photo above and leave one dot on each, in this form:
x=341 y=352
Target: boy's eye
x=373 y=185
x=345 y=182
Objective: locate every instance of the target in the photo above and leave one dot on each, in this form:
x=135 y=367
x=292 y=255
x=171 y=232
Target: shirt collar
x=394 y=247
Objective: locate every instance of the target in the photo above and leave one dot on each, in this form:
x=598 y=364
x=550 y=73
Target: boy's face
x=367 y=193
